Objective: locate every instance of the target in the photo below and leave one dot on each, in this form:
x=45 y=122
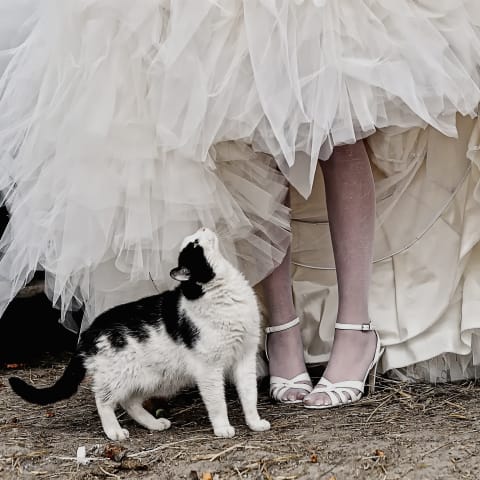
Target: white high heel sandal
x=279 y=385
x=350 y=391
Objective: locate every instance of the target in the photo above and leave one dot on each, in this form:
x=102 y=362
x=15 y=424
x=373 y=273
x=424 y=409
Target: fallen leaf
x=49 y=414
x=114 y=452
x=132 y=464
x=314 y=458
x=207 y=476
x=13 y=366
x=379 y=453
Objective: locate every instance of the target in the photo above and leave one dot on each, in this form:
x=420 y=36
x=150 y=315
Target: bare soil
x=404 y=431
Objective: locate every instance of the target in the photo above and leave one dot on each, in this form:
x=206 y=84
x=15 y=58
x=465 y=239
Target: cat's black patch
x=117 y=338
x=192 y=257
x=134 y=319
x=128 y=320
x=192 y=290
x=177 y=325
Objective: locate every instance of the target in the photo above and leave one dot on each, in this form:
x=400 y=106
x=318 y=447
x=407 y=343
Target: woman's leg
x=350 y=196
x=285 y=348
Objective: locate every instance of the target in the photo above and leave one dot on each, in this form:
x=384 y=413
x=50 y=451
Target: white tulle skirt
x=329 y=72
x=107 y=161
x=125 y=125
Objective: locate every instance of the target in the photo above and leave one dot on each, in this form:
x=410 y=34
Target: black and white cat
x=204 y=330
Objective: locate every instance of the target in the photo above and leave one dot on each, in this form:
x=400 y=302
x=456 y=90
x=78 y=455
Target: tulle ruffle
x=330 y=72
x=106 y=162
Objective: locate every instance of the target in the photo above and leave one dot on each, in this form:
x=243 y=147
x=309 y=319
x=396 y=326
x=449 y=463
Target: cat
x=205 y=329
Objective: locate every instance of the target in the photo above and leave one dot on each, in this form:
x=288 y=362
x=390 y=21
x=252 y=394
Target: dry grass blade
x=436 y=449
x=166 y=446
x=387 y=400
x=216 y=456
x=108 y=474
x=272 y=461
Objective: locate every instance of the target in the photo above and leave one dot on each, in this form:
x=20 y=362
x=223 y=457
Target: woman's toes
x=318 y=400
x=293 y=397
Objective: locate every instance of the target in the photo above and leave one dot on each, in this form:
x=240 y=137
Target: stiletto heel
x=279 y=385
x=350 y=391
x=372 y=377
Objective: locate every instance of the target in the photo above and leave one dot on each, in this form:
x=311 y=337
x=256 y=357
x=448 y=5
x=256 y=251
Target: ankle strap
x=363 y=327
x=281 y=328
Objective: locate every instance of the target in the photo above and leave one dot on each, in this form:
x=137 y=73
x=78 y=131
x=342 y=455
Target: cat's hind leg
x=111 y=427
x=135 y=409
x=245 y=379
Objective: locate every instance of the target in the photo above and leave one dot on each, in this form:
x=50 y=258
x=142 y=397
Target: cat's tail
x=64 y=387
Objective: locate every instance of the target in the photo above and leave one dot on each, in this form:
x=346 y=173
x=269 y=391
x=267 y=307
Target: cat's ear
x=181 y=274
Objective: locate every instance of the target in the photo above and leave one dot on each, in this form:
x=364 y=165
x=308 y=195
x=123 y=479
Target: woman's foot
x=351 y=357
x=285 y=353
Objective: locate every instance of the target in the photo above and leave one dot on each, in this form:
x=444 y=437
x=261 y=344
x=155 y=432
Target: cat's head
x=199 y=256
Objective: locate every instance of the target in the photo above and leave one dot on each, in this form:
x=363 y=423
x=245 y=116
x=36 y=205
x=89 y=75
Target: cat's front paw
x=225 y=431
x=161 y=424
x=259 y=425
x=117 y=435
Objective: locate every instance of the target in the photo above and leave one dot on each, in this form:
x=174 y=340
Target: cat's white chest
x=227 y=323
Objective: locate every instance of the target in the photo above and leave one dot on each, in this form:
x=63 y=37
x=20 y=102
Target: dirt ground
x=404 y=431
